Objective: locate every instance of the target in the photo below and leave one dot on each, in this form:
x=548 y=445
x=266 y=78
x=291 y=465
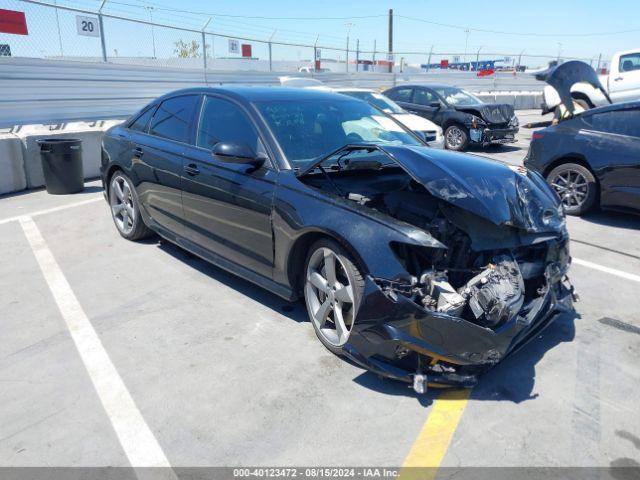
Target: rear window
x=173 y=118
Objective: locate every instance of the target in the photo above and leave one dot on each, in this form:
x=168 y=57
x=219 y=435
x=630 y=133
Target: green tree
x=187 y=50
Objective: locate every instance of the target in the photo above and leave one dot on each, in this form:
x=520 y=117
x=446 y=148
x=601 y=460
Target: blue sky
x=579 y=21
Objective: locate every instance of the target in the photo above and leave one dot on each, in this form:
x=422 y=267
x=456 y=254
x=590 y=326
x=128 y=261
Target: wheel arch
x=570 y=158
x=300 y=249
x=582 y=96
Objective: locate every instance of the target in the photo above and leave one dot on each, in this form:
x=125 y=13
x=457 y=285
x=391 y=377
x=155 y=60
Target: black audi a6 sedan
x=592 y=159
x=421 y=265
x=464 y=118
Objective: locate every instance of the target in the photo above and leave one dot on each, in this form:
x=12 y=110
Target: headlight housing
x=477 y=122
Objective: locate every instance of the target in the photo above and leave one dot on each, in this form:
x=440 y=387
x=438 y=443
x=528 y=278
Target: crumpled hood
x=501 y=194
x=490 y=112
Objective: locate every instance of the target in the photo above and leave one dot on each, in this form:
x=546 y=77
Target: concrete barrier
x=519 y=100
x=91 y=136
x=12 y=173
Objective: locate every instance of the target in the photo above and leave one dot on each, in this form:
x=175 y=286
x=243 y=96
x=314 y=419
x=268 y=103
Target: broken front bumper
x=397 y=338
x=490 y=135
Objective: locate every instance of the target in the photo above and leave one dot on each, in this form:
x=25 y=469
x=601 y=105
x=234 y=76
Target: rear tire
x=576 y=186
x=333 y=288
x=125 y=208
x=456 y=138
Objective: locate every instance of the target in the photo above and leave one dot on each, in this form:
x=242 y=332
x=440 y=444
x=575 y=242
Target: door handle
x=617 y=79
x=138 y=152
x=192 y=169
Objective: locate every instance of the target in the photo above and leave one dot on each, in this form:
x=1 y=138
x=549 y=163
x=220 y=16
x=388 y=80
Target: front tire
x=456 y=138
x=576 y=186
x=125 y=208
x=333 y=292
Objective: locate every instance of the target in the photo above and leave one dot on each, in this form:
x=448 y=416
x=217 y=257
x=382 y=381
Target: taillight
x=537 y=135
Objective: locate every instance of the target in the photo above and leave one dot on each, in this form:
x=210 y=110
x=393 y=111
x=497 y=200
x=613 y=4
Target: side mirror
x=435 y=104
x=239 y=153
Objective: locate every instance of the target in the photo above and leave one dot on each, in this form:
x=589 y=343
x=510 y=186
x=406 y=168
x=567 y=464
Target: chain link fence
x=69 y=33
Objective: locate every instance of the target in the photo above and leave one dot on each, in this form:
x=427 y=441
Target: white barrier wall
x=50 y=91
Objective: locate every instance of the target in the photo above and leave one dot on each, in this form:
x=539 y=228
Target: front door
x=228 y=206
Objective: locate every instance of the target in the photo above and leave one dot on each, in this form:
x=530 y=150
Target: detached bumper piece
x=396 y=338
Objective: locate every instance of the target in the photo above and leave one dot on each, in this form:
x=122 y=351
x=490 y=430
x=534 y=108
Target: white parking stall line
x=609 y=270
x=51 y=210
x=137 y=440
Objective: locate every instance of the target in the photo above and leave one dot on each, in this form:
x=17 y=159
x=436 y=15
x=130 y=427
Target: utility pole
x=348 y=25
x=58 y=24
x=390 y=40
x=478 y=58
x=358 y=55
x=270 y=56
x=559 y=51
x=520 y=57
x=599 y=60
x=373 y=59
x=429 y=59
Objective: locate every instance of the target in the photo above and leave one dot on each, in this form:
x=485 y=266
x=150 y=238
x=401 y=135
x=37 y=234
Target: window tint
x=401 y=94
x=622 y=122
x=173 y=117
x=424 y=97
x=224 y=121
x=140 y=123
x=629 y=62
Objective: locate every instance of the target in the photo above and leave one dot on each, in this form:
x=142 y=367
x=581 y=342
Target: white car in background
x=431 y=132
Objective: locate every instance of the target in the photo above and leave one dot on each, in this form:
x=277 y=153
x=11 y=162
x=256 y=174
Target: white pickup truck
x=622 y=83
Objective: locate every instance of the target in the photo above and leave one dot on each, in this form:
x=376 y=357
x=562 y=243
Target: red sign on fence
x=13 y=22
x=246 y=50
x=444 y=63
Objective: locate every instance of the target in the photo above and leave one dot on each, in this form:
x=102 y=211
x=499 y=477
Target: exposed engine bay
x=486 y=286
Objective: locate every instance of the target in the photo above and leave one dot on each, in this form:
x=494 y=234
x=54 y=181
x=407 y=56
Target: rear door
x=158 y=160
x=624 y=85
x=613 y=147
x=228 y=206
x=403 y=96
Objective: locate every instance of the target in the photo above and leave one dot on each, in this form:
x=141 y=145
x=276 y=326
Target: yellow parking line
x=432 y=443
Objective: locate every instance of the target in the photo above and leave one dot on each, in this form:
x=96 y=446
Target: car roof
x=612 y=108
x=353 y=89
x=429 y=85
x=257 y=94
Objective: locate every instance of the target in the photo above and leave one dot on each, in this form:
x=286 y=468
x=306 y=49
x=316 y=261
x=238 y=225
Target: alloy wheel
x=455 y=137
x=122 y=206
x=572 y=188
x=329 y=296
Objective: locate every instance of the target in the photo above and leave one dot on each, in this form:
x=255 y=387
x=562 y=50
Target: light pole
x=149 y=8
x=466 y=43
x=559 y=51
x=520 y=57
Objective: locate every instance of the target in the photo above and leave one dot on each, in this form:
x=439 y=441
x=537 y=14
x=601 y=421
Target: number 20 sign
x=87 y=26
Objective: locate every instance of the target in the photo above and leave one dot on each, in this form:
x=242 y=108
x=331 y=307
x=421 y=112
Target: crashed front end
x=493 y=275
x=491 y=124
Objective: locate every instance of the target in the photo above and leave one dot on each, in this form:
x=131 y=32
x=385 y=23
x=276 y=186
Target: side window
x=401 y=95
x=173 y=117
x=224 y=121
x=622 y=122
x=424 y=97
x=629 y=62
x=140 y=124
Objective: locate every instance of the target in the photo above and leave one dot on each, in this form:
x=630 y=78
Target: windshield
x=383 y=103
x=309 y=129
x=457 y=96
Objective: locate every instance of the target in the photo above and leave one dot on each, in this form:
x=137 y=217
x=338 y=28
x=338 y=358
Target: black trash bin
x=62 y=165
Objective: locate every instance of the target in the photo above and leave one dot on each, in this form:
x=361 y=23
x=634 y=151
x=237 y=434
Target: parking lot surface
x=223 y=373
